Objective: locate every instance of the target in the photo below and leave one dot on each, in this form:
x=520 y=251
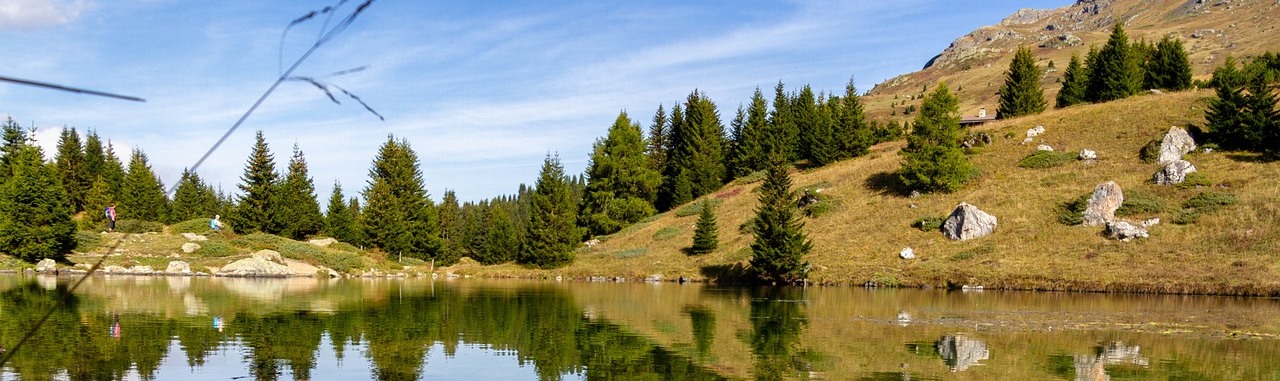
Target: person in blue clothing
x=216 y=223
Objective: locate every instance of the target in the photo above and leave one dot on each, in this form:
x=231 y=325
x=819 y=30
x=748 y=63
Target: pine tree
x=804 y=110
x=659 y=141
x=621 y=188
x=824 y=149
x=705 y=237
x=933 y=160
x=14 y=138
x=1262 y=116
x=1116 y=74
x=95 y=160
x=113 y=172
x=142 y=195
x=356 y=215
x=257 y=209
x=398 y=217
x=503 y=241
x=72 y=170
x=700 y=148
x=552 y=231
x=854 y=135
x=35 y=216
x=192 y=199
x=1225 y=117
x=1169 y=67
x=783 y=132
x=750 y=146
x=1021 y=94
x=339 y=223
x=299 y=212
x=671 y=194
x=1075 y=84
x=778 y=253
x=97 y=200
x=451 y=225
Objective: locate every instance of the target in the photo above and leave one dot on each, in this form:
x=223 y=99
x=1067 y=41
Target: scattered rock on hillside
x=1044 y=147
x=1174 y=173
x=1106 y=198
x=190 y=247
x=1034 y=132
x=1175 y=143
x=1151 y=222
x=268 y=255
x=254 y=267
x=1088 y=154
x=968 y=222
x=907 y=253
x=193 y=237
x=46 y=266
x=1124 y=231
x=178 y=268
x=322 y=242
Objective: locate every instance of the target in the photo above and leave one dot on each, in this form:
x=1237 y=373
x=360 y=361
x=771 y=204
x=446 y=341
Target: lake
x=167 y=328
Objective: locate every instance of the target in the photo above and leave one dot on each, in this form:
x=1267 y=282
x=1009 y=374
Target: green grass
x=630 y=253
x=1139 y=203
x=1071 y=212
x=1047 y=159
x=666 y=233
x=693 y=208
x=138 y=226
x=216 y=249
x=929 y=223
x=195 y=225
x=1202 y=204
x=1150 y=152
x=1195 y=180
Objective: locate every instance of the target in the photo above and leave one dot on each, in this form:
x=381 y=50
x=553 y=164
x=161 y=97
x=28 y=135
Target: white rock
x=1174 y=173
x=1028 y=141
x=113 y=269
x=1088 y=154
x=193 y=237
x=268 y=255
x=1175 y=143
x=322 y=242
x=907 y=253
x=1044 y=147
x=178 y=268
x=1151 y=222
x=968 y=222
x=1124 y=231
x=1106 y=198
x=1034 y=132
x=254 y=267
x=141 y=270
x=46 y=266
x=190 y=247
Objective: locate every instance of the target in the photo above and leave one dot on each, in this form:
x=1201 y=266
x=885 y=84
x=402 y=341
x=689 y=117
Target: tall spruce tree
x=621 y=188
x=452 y=226
x=552 y=231
x=35 y=216
x=113 y=171
x=299 y=211
x=699 y=150
x=97 y=200
x=398 y=216
x=659 y=140
x=804 y=111
x=783 y=132
x=675 y=183
x=1021 y=93
x=192 y=199
x=1075 y=84
x=854 y=135
x=72 y=169
x=1225 y=116
x=257 y=209
x=95 y=160
x=750 y=145
x=1115 y=74
x=503 y=240
x=705 y=233
x=1169 y=67
x=142 y=195
x=356 y=213
x=14 y=138
x=933 y=160
x=338 y=222
x=778 y=253
x=824 y=149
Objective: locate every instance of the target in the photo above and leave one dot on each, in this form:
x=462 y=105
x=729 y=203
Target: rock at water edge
x=254 y=267
x=968 y=222
x=1106 y=198
x=178 y=268
x=46 y=266
x=268 y=255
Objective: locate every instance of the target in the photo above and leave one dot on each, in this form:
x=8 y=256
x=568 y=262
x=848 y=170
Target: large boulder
x=46 y=266
x=1174 y=173
x=1106 y=198
x=190 y=247
x=268 y=255
x=967 y=222
x=254 y=267
x=1124 y=231
x=322 y=242
x=193 y=237
x=1175 y=143
x=178 y=268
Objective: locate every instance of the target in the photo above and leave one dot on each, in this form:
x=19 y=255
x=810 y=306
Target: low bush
x=216 y=249
x=343 y=246
x=1071 y=212
x=138 y=226
x=87 y=240
x=930 y=223
x=666 y=233
x=1201 y=204
x=630 y=253
x=1195 y=180
x=693 y=208
x=1150 y=152
x=195 y=225
x=1140 y=203
x=1047 y=159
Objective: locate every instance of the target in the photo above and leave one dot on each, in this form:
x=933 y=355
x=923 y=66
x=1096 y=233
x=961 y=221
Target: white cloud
x=34 y=14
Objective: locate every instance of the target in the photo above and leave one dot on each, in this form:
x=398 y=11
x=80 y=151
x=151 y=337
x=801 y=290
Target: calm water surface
x=305 y=329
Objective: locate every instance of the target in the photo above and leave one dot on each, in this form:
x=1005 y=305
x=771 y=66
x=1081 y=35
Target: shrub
x=87 y=240
x=216 y=249
x=195 y=225
x=138 y=226
x=1071 y=212
x=1140 y=203
x=343 y=246
x=630 y=253
x=930 y=223
x=1047 y=159
x=1150 y=152
x=1210 y=200
x=696 y=207
x=666 y=233
x=1193 y=180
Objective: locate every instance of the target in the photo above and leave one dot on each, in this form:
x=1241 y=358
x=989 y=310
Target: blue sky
x=482 y=90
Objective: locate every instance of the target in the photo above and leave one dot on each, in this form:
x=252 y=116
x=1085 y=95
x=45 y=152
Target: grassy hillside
x=1235 y=250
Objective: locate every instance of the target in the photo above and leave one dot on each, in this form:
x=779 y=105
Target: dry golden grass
x=1232 y=251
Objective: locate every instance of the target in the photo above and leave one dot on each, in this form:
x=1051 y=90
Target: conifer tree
x=1115 y=73
x=621 y=187
x=257 y=209
x=933 y=160
x=299 y=212
x=783 y=132
x=113 y=172
x=398 y=217
x=35 y=216
x=339 y=223
x=71 y=168
x=780 y=247
x=474 y=228
x=14 y=138
x=699 y=149
x=823 y=149
x=1169 y=67
x=659 y=141
x=705 y=238
x=673 y=193
x=97 y=200
x=552 y=231
x=451 y=226
x=503 y=241
x=750 y=146
x=804 y=111
x=192 y=199
x=142 y=195
x=1225 y=117
x=358 y=236
x=854 y=135
x=95 y=160
x=1021 y=94
x=1075 y=84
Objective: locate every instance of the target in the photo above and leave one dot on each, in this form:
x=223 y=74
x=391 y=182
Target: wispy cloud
x=35 y=14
